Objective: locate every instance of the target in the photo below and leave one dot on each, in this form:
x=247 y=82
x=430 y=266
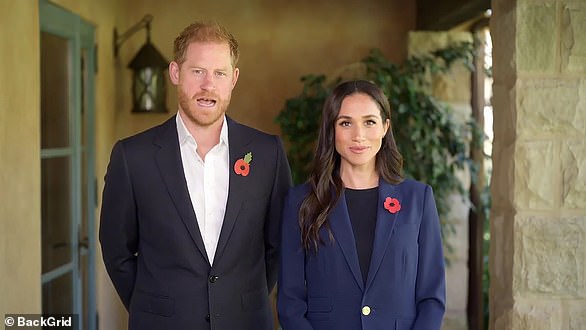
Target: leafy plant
x=433 y=144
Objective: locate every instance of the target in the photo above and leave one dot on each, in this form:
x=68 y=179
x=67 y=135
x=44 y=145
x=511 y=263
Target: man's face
x=204 y=82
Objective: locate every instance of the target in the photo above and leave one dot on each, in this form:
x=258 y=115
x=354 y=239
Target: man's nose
x=208 y=82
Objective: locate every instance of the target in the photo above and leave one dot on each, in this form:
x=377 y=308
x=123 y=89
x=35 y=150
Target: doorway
x=68 y=184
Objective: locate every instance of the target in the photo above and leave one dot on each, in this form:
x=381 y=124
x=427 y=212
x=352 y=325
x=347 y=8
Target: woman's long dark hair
x=324 y=180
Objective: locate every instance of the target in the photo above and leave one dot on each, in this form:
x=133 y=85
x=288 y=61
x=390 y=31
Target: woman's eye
x=344 y=123
x=370 y=122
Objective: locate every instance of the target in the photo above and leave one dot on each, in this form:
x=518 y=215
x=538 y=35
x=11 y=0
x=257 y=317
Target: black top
x=362 y=205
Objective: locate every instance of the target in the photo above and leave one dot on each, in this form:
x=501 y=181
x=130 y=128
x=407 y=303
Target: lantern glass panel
x=149 y=90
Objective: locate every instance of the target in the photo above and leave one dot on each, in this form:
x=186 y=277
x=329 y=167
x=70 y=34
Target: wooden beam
x=436 y=15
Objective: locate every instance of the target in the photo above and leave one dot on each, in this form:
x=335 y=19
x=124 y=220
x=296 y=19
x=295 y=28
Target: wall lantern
x=148 y=68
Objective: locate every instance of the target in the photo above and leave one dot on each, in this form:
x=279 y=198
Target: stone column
x=538 y=188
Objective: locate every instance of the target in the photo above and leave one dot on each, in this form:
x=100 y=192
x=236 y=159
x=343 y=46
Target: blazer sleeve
x=291 y=293
x=281 y=184
x=430 y=292
x=118 y=225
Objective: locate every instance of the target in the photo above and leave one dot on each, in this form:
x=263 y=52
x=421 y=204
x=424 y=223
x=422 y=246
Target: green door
x=68 y=199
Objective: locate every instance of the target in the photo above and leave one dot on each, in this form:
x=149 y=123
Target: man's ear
x=235 y=77
x=174 y=72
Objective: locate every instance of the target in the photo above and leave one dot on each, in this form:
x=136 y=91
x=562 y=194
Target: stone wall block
x=573 y=159
x=500 y=268
x=537 y=315
x=424 y=42
x=503 y=27
x=458 y=240
x=461 y=111
x=550 y=259
x=502 y=321
x=536 y=38
x=456 y=275
x=502 y=183
x=502 y=186
x=551 y=107
x=534 y=174
x=501 y=258
x=577 y=315
x=454 y=321
x=573 y=50
x=504 y=115
x=453 y=86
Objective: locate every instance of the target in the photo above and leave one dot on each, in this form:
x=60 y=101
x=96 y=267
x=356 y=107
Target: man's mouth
x=205 y=102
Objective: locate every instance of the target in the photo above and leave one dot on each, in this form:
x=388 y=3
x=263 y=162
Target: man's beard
x=200 y=115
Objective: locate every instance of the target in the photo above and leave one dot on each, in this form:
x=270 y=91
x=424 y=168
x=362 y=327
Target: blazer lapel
x=342 y=230
x=385 y=222
x=238 y=142
x=168 y=159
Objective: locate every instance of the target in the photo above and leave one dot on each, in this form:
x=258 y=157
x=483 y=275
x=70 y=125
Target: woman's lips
x=359 y=149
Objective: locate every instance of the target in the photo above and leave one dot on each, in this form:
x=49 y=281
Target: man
x=190 y=220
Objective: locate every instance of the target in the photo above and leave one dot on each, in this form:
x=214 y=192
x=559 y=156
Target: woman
x=361 y=246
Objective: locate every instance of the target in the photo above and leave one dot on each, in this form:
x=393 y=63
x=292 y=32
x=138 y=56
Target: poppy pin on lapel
x=242 y=165
x=392 y=205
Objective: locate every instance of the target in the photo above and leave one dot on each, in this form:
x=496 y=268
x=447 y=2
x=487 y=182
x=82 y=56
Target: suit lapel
x=342 y=230
x=238 y=146
x=385 y=222
x=168 y=159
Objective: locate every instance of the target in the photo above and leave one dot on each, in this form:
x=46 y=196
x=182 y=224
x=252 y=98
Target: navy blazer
x=153 y=249
x=405 y=288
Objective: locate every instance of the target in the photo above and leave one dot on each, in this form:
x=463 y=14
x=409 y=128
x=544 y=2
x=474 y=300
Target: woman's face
x=359 y=130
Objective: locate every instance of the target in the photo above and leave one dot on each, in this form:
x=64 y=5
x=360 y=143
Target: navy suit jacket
x=405 y=288
x=153 y=249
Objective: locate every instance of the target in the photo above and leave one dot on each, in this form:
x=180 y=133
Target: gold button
x=366 y=310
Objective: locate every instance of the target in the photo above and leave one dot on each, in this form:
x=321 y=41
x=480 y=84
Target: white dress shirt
x=207 y=182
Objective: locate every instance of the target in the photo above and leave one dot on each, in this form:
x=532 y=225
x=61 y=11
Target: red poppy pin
x=242 y=165
x=392 y=205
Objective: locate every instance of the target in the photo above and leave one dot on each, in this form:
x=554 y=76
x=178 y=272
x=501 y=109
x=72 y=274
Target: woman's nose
x=358 y=134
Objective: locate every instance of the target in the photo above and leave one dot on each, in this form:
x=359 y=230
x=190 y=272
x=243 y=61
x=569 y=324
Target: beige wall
x=280 y=42
x=20 y=211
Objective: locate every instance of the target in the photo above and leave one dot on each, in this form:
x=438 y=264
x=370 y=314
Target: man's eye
x=221 y=74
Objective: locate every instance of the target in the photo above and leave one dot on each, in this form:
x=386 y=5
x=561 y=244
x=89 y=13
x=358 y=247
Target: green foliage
x=433 y=144
x=299 y=122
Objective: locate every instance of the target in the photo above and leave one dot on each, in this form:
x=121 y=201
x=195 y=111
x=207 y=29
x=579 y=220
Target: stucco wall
x=280 y=41
x=20 y=158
